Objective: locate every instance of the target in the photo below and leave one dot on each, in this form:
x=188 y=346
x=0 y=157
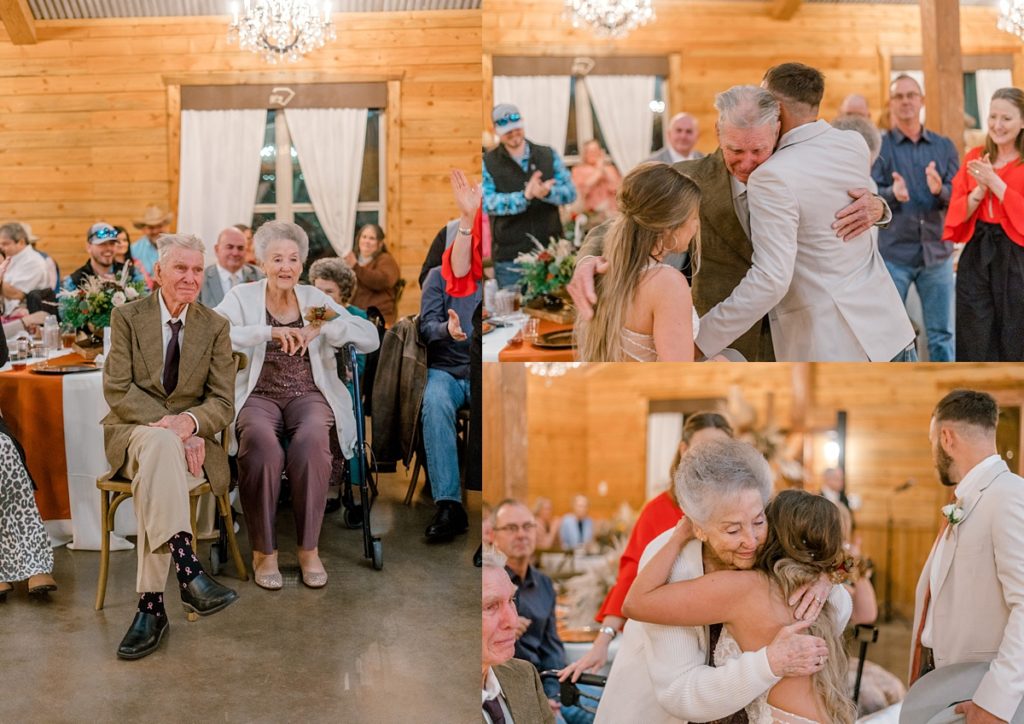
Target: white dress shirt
x=228 y=279
x=165 y=317
x=677 y=157
x=492 y=690
x=26 y=272
x=966 y=488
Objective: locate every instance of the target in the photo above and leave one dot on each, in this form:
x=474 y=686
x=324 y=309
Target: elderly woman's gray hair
x=864 y=127
x=746 y=106
x=716 y=471
x=166 y=243
x=277 y=231
x=335 y=270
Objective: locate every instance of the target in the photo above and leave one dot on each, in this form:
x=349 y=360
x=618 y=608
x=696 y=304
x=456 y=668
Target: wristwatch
x=609 y=630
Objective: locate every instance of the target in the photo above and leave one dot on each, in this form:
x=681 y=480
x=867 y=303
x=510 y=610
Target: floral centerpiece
x=544 y=274
x=88 y=308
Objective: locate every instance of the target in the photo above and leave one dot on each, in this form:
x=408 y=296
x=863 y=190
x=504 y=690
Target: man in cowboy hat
x=154 y=222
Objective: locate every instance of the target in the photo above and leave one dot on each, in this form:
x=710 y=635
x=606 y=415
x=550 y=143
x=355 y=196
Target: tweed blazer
x=725 y=251
x=978 y=609
x=523 y=692
x=133 y=380
x=212 y=292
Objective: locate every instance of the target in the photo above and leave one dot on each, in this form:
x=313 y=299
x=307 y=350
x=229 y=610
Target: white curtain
x=330 y=145
x=623 y=107
x=988 y=82
x=543 y=101
x=220 y=171
x=664 y=430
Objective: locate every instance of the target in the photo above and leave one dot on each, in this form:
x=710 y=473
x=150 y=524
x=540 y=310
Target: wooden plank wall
x=84 y=125
x=714 y=45
x=586 y=432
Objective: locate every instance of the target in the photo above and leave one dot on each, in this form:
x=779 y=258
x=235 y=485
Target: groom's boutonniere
x=954 y=514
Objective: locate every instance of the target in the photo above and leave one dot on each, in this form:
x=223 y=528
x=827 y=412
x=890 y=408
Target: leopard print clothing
x=24 y=546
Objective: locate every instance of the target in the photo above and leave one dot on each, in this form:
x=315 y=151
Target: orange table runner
x=33 y=407
x=526 y=352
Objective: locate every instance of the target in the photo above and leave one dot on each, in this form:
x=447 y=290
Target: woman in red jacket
x=659 y=514
x=986 y=210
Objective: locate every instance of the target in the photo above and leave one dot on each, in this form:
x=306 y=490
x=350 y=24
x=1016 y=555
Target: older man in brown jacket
x=169 y=382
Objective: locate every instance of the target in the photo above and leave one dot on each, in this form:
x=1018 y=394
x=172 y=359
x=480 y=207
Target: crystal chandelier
x=279 y=29
x=609 y=18
x=1011 y=17
x=551 y=369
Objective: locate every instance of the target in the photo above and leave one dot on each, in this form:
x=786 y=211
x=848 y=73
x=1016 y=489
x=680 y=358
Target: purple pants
x=264 y=422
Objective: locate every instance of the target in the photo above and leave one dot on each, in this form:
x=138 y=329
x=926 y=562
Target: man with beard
x=970 y=597
x=101 y=243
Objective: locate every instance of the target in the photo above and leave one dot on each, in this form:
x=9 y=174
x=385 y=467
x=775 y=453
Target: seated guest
x=290 y=389
x=154 y=221
x=547 y=524
x=230 y=269
x=597 y=182
x=511 y=688
x=25 y=551
x=123 y=253
x=537 y=638
x=577 y=529
x=101 y=243
x=162 y=427
x=333 y=277
x=52 y=270
x=250 y=254
x=377 y=272
x=27 y=323
x=22 y=270
x=445 y=325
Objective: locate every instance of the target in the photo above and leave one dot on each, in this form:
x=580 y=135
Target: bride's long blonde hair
x=655 y=199
x=805 y=539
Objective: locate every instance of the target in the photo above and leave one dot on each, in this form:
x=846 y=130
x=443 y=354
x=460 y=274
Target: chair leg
x=412 y=483
x=193 y=505
x=101 y=586
x=225 y=510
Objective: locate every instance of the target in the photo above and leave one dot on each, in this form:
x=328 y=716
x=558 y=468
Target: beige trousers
x=155 y=462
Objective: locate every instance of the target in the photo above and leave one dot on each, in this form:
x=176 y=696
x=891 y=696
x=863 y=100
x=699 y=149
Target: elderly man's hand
x=181 y=425
x=976 y=715
x=195 y=455
x=581 y=286
x=858 y=217
x=794 y=654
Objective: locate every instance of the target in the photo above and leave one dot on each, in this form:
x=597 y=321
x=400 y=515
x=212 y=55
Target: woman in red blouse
x=987 y=210
x=659 y=514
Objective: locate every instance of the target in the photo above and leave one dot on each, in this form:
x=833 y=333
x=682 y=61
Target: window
x=583 y=123
x=282 y=192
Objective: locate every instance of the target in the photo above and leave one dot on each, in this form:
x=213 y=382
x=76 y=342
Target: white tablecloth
x=494 y=342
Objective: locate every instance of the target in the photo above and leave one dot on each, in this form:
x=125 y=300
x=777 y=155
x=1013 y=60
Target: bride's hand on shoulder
x=810 y=598
x=683 y=532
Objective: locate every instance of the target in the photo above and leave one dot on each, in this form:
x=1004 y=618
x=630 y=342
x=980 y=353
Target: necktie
x=493 y=709
x=171 y=358
x=232 y=281
x=743 y=211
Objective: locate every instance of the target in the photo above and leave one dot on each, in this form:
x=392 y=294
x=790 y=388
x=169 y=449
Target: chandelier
x=1011 y=17
x=278 y=29
x=609 y=18
x=551 y=369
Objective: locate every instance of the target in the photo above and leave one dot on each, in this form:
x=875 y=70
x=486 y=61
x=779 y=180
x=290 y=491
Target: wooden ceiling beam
x=18 y=20
x=784 y=9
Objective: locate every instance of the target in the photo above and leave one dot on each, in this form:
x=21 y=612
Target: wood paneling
x=87 y=127
x=720 y=44
x=586 y=433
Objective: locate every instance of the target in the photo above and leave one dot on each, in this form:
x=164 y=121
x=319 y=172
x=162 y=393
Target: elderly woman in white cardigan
x=661 y=674
x=290 y=390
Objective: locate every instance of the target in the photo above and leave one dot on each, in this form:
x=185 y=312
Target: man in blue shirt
x=154 y=221
x=537 y=641
x=914 y=173
x=524 y=184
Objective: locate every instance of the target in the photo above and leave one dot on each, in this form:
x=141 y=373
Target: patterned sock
x=186 y=564
x=152 y=603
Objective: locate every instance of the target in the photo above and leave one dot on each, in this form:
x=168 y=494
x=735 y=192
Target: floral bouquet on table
x=544 y=274
x=88 y=308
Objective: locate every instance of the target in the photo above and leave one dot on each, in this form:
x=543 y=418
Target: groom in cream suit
x=970 y=597
x=826 y=300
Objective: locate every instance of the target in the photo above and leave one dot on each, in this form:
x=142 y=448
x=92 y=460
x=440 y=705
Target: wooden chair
x=461 y=437
x=116 y=490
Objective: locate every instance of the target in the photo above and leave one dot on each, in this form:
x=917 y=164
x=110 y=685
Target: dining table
x=501 y=345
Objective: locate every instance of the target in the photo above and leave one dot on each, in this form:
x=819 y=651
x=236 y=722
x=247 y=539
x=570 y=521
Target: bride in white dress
x=644 y=311
x=804 y=541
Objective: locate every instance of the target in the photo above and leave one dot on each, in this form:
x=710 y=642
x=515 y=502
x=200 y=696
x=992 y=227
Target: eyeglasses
x=106 y=233
x=513 y=528
x=507 y=119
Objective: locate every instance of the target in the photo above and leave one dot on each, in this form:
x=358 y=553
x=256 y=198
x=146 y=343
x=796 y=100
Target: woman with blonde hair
x=804 y=542
x=644 y=311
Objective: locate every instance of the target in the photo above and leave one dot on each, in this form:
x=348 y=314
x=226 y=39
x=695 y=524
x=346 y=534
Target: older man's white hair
x=277 y=231
x=493 y=558
x=746 y=106
x=166 y=243
x=716 y=471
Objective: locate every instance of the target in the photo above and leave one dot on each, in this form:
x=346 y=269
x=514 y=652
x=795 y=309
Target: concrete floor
x=397 y=645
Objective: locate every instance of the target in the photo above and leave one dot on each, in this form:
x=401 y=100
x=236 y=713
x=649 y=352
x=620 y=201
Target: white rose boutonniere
x=953 y=513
